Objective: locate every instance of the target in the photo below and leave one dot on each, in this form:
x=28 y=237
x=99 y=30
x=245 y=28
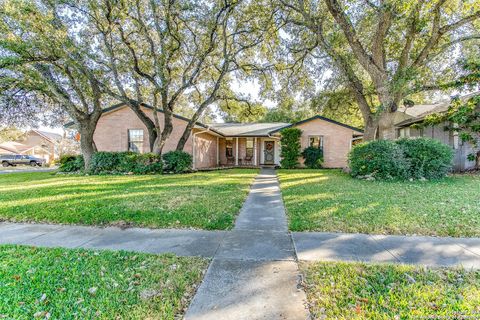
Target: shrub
x=125 y=162
x=381 y=159
x=290 y=142
x=177 y=161
x=71 y=163
x=313 y=157
x=428 y=158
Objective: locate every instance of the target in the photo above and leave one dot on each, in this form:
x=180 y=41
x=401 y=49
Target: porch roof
x=247 y=129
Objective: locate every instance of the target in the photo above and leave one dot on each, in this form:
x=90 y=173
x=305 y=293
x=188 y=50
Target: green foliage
x=290 y=142
x=390 y=291
x=178 y=161
x=42 y=283
x=71 y=163
x=428 y=158
x=289 y=110
x=10 y=134
x=125 y=162
x=402 y=159
x=338 y=104
x=313 y=157
x=381 y=159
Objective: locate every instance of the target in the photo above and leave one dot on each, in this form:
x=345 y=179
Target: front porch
x=248 y=151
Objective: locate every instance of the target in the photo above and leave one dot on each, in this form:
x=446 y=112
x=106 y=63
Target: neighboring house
x=37 y=143
x=409 y=124
x=225 y=144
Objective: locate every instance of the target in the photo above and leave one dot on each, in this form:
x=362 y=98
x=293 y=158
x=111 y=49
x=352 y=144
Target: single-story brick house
x=226 y=144
x=37 y=143
x=409 y=125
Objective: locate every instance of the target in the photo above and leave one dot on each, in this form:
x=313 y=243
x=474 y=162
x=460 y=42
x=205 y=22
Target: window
x=229 y=147
x=404 y=132
x=249 y=148
x=135 y=140
x=315 y=141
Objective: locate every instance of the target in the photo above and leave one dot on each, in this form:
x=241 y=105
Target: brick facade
x=112 y=135
x=336 y=141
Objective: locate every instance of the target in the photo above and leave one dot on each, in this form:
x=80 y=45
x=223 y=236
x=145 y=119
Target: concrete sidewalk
x=428 y=251
x=254 y=274
x=180 y=242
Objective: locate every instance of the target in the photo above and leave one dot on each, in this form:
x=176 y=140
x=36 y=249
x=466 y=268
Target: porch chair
x=248 y=160
x=230 y=160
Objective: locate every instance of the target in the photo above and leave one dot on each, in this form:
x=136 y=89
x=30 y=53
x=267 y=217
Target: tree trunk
x=184 y=138
x=149 y=124
x=386 y=126
x=152 y=136
x=477 y=160
x=370 y=131
x=87 y=145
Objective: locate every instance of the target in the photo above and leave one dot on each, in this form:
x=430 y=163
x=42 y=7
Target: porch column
x=218 y=152
x=255 y=151
x=236 y=151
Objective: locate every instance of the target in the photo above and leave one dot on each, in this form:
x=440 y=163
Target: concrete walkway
x=254 y=274
x=180 y=242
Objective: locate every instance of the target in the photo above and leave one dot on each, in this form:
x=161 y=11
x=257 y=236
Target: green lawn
x=330 y=200
x=360 y=291
x=207 y=200
x=80 y=284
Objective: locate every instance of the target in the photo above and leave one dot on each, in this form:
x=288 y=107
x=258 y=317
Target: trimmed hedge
x=290 y=152
x=313 y=157
x=417 y=158
x=71 y=163
x=178 y=161
x=125 y=162
x=428 y=158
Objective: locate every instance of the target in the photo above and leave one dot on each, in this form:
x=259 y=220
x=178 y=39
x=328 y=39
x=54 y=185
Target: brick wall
x=111 y=134
x=336 y=141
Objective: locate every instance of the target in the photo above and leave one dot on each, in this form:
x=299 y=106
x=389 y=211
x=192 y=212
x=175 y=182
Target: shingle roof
x=420 y=111
x=54 y=137
x=247 y=129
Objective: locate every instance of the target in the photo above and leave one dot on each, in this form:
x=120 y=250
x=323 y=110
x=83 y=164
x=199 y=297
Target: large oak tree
x=386 y=51
x=166 y=53
x=43 y=61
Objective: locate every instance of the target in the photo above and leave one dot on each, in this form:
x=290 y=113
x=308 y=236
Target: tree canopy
x=384 y=51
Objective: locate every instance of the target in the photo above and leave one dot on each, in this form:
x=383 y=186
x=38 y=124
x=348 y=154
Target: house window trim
x=321 y=141
x=129 y=141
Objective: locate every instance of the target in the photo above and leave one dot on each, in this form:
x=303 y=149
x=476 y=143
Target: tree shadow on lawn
x=350 y=205
x=146 y=201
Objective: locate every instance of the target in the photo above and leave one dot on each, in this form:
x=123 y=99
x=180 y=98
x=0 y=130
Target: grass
x=81 y=284
x=330 y=200
x=361 y=291
x=206 y=200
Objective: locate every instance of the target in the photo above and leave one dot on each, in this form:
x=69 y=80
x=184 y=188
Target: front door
x=269 y=152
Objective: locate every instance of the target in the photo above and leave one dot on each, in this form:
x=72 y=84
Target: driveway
x=26 y=169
